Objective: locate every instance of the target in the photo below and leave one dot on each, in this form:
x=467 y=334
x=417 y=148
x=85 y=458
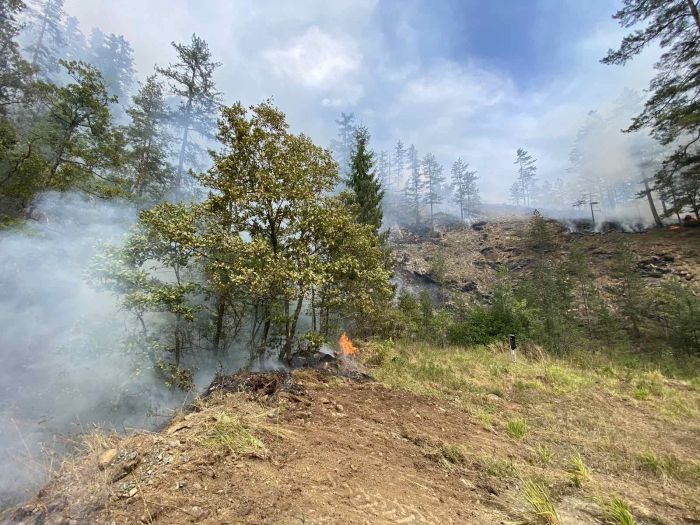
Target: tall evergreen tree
x=466 y=190
x=363 y=181
x=191 y=79
x=113 y=56
x=342 y=146
x=433 y=180
x=526 y=174
x=399 y=163
x=14 y=70
x=671 y=112
x=46 y=36
x=383 y=169
x=516 y=194
x=147 y=141
x=76 y=44
x=413 y=189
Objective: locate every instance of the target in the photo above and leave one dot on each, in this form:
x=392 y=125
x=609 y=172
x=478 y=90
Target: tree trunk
x=292 y=328
x=695 y=13
x=220 y=312
x=647 y=190
x=183 y=146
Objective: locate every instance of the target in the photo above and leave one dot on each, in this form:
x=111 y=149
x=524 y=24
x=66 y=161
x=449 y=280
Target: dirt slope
x=315 y=448
x=336 y=451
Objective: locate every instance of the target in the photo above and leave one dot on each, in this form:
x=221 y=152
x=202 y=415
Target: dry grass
x=612 y=406
x=229 y=433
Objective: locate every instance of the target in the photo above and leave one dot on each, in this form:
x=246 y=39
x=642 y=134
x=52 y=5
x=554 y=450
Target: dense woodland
x=274 y=242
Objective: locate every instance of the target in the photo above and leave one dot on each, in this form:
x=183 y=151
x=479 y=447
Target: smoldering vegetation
x=62 y=343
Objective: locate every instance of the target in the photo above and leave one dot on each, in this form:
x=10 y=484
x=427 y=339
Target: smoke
x=65 y=364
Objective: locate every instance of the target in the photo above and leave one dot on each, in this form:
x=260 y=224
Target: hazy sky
x=469 y=78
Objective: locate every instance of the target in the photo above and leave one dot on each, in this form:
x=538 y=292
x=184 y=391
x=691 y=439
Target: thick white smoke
x=63 y=363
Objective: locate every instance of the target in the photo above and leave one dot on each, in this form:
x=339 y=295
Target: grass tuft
x=229 y=433
x=516 y=428
x=544 y=454
x=617 y=512
x=579 y=470
x=542 y=510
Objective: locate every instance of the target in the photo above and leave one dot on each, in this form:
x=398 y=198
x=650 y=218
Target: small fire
x=346 y=346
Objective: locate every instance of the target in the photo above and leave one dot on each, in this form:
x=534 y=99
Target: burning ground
x=443 y=436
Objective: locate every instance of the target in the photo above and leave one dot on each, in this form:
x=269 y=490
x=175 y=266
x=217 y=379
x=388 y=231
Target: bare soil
x=338 y=451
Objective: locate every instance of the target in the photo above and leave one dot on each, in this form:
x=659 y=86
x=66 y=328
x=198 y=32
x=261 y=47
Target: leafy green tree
x=269 y=185
x=466 y=191
x=671 y=110
x=433 y=179
x=191 y=79
x=148 y=142
x=526 y=174
x=364 y=183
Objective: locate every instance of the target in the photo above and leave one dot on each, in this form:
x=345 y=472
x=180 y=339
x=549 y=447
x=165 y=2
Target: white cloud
x=319 y=61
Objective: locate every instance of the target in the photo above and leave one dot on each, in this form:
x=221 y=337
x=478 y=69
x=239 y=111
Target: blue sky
x=469 y=78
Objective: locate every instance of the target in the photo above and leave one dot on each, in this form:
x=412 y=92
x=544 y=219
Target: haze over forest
x=192 y=189
x=440 y=76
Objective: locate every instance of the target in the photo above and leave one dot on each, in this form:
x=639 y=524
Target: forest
x=152 y=234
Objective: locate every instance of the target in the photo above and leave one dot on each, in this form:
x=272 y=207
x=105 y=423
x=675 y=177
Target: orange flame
x=346 y=346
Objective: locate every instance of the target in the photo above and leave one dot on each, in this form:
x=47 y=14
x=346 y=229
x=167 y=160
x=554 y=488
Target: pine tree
x=363 y=181
x=113 y=56
x=399 y=163
x=14 y=70
x=466 y=191
x=433 y=180
x=383 y=169
x=47 y=38
x=342 y=146
x=526 y=174
x=414 y=184
x=76 y=45
x=191 y=79
x=516 y=194
x=147 y=141
x=671 y=110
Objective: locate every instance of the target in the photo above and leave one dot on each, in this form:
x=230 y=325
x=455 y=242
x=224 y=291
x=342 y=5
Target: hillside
x=472 y=255
x=443 y=436
x=413 y=433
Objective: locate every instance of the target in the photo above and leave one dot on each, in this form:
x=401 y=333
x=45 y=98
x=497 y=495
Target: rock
x=339 y=407
x=133 y=492
x=492 y=398
x=106 y=458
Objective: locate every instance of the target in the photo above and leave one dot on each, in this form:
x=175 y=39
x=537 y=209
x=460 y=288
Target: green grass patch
x=617 y=512
x=516 y=428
